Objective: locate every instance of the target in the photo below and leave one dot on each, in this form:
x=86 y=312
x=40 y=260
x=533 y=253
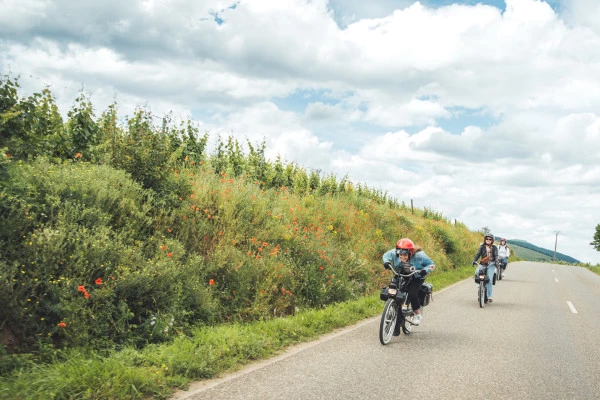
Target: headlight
x=392 y=292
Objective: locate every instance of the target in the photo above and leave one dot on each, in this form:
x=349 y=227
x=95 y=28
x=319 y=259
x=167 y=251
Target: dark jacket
x=482 y=252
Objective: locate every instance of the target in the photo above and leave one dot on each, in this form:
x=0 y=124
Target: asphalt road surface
x=539 y=339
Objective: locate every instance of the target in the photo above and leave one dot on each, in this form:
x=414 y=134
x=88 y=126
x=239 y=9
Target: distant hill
x=530 y=252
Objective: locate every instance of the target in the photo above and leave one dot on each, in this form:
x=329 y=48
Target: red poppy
x=162 y=247
x=86 y=295
x=211 y=282
x=98 y=281
x=169 y=254
x=81 y=289
x=78 y=155
x=62 y=324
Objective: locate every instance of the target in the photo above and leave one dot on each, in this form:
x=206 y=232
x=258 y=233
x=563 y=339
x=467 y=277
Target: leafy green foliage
x=131 y=234
x=596 y=241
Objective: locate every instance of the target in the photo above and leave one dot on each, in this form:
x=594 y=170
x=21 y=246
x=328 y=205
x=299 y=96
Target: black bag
x=425 y=293
x=384 y=294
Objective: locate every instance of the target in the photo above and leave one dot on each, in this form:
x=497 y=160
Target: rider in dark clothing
x=488 y=252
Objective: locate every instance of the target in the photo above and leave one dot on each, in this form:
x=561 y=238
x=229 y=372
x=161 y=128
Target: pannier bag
x=425 y=293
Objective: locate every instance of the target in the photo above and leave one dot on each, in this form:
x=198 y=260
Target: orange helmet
x=406 y=244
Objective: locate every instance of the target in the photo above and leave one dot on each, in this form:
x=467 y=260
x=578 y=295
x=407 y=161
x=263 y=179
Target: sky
x=485 y=111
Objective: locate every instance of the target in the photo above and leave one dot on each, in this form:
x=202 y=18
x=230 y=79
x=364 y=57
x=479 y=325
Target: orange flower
x=211 y=282
x=258 y=257
x=81 y=289
x=169 y=254
x=62 y=324
x=78 y=155
x=162 y=247
x=265 y=244
x=86 y=295
x=98 y=281
x=320 y=268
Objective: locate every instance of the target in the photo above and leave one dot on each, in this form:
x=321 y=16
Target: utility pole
x=555 y=241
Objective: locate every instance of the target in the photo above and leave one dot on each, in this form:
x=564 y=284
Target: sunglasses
x=488 y=240
x=402 y=252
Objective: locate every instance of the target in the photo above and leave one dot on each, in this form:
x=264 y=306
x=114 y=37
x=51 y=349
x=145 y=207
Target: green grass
x=158 y=370
x=595 y=269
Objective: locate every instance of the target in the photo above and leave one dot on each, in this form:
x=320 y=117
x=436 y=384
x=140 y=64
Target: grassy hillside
x=527 y=251
x=526 y=254
x=130 y=252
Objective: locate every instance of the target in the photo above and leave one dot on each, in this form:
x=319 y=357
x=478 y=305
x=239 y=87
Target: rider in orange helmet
x=404 y=256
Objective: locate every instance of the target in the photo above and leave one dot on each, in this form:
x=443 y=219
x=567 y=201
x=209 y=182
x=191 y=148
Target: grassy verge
x=595 y=269
x=158 y=370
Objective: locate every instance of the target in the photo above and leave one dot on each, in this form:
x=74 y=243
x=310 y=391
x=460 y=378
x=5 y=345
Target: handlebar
x=412 y=269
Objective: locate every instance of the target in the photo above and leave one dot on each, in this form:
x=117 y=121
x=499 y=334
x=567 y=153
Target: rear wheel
x=388 y=321
x=481 y=294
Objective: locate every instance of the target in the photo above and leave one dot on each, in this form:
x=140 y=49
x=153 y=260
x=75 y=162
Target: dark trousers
x=413 y=292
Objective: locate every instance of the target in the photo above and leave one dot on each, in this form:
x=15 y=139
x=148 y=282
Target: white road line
x=572 y=307
x=555 y=280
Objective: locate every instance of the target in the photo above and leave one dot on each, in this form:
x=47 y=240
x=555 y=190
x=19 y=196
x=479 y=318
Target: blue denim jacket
x=419 y=260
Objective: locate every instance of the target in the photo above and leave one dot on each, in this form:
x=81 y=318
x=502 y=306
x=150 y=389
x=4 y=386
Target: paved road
x=529 y=344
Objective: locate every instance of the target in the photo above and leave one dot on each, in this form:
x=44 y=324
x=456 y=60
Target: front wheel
x=388 y=321
x=407 y=322
x=481 y=294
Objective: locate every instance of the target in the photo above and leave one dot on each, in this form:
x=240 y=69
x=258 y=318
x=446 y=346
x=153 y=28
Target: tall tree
x=596 y=242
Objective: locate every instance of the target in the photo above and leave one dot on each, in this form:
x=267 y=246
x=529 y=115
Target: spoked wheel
x=407 y=319
x=388 y=321
x=481 y=294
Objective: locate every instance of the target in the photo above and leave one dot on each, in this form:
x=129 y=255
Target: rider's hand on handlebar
x=474 y=263
x=387 y=265
x=423 y=272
